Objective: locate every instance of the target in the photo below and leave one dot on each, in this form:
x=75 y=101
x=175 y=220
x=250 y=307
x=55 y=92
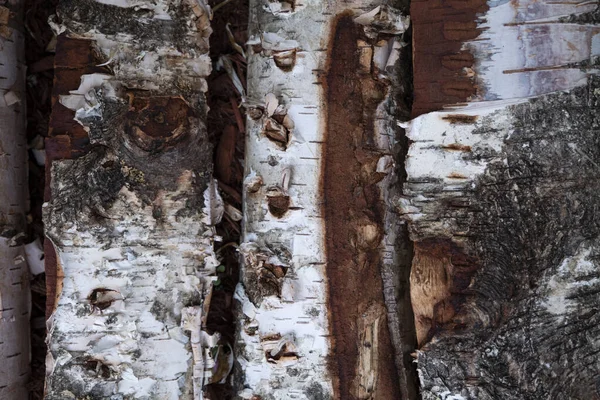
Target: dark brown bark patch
x=441 y=67
x=278 y=205
x=155 y=123
x=353 y=221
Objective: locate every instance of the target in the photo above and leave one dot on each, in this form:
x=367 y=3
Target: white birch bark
x=132 y=219
x=528 y=49
x=298 y=317
x=284 y=337
x=15 y=299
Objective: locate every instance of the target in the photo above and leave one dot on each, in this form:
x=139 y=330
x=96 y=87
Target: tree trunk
x=313 y=318
x=501 y=198
x=15 y=301
x=132 y=202
x=477 y=244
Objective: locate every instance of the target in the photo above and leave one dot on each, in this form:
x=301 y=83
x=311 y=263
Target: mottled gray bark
x=501 y=197
x=15 y=301
x=526 y=323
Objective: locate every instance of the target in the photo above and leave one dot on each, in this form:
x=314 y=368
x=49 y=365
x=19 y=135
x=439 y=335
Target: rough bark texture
x=131 y=202
x=67 y=138
x=15 y=301
x=513 y=282
x=502 y=200
x=317 y=148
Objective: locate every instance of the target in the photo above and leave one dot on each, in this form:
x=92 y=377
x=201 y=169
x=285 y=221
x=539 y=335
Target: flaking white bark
x=131 y=220
x=284 y=338
x=15 y=301
x=297 y=317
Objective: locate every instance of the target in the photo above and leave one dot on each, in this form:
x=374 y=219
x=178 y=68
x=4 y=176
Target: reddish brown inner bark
x=66 y=138
x=441 y=66
x=352 y=212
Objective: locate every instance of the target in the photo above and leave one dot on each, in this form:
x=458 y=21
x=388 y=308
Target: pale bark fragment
x=132 y=219
x=15 y=302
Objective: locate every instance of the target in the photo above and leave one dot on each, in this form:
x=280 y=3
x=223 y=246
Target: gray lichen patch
x=80 y=16
x=87 y=187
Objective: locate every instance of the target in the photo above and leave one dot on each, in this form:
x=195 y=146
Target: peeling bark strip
x=465 y=51
x=361 y=353
x=15 y=301
x=130 y=217
x=502 y=200
x=283 y=343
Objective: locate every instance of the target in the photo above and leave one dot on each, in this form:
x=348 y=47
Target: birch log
x=15 y=302
x=131 y=219
x=502 y=199
x=313 y=321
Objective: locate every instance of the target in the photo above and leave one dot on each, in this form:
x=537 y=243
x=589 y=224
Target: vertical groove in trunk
x=15 y=300
x=354 y=226
x=397 y=247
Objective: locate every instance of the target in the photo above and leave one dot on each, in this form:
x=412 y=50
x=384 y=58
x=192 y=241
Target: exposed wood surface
x=353 y=212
